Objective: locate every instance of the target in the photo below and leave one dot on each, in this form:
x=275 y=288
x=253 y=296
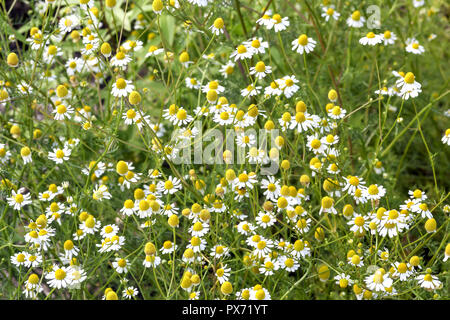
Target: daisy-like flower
x=269 y=266
x=300 y=249
x=197 y=244
x=59 y=155
x=223 y=274
x=265 y=219
x=181 y=117
x=199 y=229
x=257 y=45
x=413 y=46
x=343 y=280
x=315 y=145
x=122 y=88
x=265 y=20
x=327 y=205
x=101 y=192
x=133 y=45
x=288 y=85
x=130 y=292
x=250 y=90
x=245 y=180
x=115 y=243
x=68 y=23
x=227 y=69
x=192 y=83
x=151 y=261
x=90 y=225
x=19 y=200
x=5 y=155
x=62 y=112
x=33 y=260
x=303 y=122
x=24 y=88
x=219 y=251
x=153 y=51
x=303 y=44
x=417 y=195
x=429 y=282
x=356 y=20
x=408 y=86
x=109 y=230
x=245 y=228
x=272 y=188
x=259 y=293
x=260 y=70
x=168 y=247
x=59 y=277
x=374 y=192
x=70 y=249
x=120 y=265
x=391 y=224
x=370 y=39
x=19 y=259
x=120 y=60
x=388 y=37
x=378 y=281
x=51 y=52
x=329 y=12
x=352 y=183
x=279 y=23
x=445 y=138
x=217 y=27
x=241 y=52
x=337 y=112
x=288 y=263
x=402 y=271
x=422 y=209
x=358 y=224
x=170 y=186
x=355 y=260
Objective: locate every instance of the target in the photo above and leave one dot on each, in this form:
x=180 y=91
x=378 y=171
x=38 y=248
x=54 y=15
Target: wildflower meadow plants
x=219 y=149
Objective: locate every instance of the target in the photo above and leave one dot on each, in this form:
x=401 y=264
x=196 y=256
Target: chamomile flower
x=356 y=20
x=329 y=12
x=359 y=223
x=429 y=282
x=217 y=27
x=227 y=69
x=288 y=85
x=371 y=39
x=257 y=45
x=170 y=186
x=413 y=46
x=153 y=51
x=260 y=70
x=223 y=274
x=408 y=86
x=120 y=265
x=19 y=199
x=68 y=23
x=122 y=88
x=219 y=251
x=374 y=192
x=151 y=261
x=378 y=281
x=59 y=277
x=279 y=23
x=265 y=219
x=388 y=37
x=241 y=52
x=343 y=280
x=130 y=292
x=303 y=44
x=402 y=271
x=59 y=155
x=445 y=138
